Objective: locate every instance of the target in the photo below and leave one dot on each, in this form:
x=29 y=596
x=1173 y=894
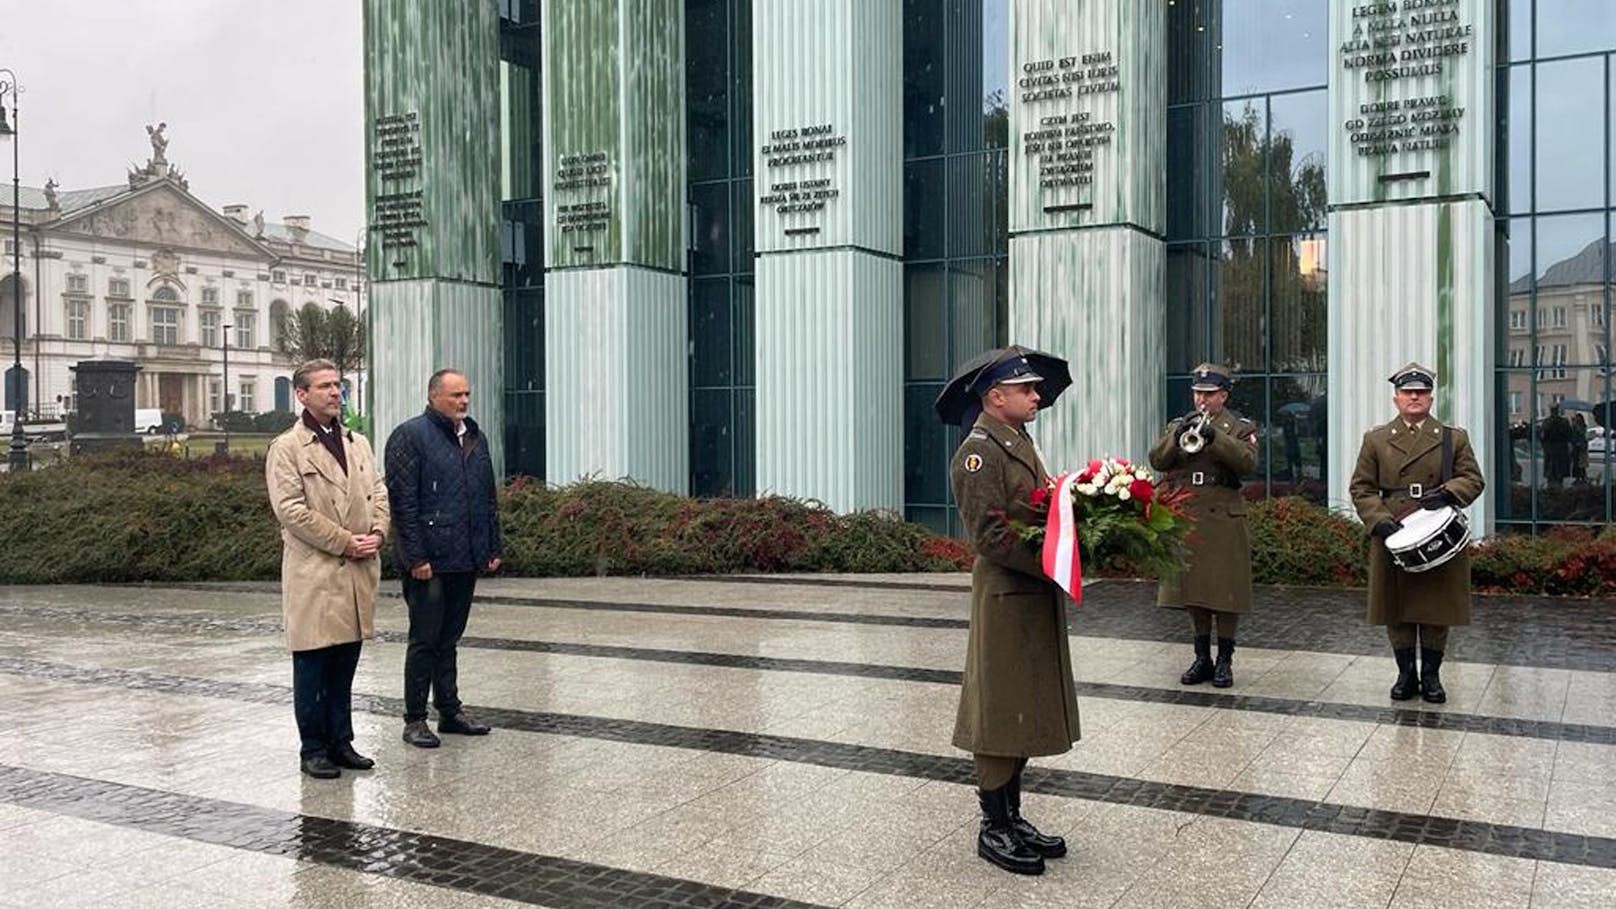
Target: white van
x=149 y=420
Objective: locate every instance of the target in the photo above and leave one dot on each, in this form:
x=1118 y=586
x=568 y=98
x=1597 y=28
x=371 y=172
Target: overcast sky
x=264 y=99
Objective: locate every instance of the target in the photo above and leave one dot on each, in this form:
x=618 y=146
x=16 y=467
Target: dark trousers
x=438 y=611
x=322 y=696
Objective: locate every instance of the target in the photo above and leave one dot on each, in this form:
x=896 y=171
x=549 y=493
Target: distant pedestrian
x=440 y=477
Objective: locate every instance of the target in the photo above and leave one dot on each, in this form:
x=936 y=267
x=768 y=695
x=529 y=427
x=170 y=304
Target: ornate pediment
x=166 y=216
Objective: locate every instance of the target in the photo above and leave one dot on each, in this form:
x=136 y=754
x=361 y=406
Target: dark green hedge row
x=144 y=516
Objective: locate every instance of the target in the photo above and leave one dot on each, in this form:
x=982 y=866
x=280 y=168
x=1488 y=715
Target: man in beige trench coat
x=1018 y=699
x=332 y=507
x=1215 y=585
x=1400 y=469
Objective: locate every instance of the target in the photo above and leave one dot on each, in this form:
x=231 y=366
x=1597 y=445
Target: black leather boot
x=1407 y=684
x=998 y=842
x=1430 y=680
x=1200 y=670
x=320 y=767
x=344 y=755
x=416 y=733
x=1223 y=669
x=1041 y=843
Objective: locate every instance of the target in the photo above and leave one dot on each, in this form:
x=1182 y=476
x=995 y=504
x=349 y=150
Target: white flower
x=1086 y=489
x=1123 y=494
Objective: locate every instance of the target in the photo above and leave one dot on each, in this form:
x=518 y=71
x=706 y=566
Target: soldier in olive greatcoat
x=1018 y=699
x=1215 y=584
x=1410 y=463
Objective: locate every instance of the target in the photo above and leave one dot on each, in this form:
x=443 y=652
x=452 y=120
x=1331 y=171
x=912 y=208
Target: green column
x=432 y=195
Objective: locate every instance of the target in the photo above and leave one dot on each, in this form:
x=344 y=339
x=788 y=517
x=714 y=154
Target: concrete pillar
x=432 y=195
x=1088 y=181
x=1411 y=220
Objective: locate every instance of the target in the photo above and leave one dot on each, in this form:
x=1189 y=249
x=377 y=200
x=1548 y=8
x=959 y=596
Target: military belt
x=1412 y=490
x=1204 y=478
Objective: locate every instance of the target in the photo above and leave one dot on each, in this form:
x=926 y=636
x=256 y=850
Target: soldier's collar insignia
x=973 y=462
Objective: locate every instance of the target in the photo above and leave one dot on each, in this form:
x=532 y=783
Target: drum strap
x=1447 y=455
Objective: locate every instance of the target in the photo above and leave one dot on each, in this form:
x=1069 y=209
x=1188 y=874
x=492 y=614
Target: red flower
x=1039 y=496
x=1141 y=490
x=1122 y=461
x=1094 y=468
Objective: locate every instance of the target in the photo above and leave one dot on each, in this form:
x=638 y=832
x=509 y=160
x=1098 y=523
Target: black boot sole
x=1009 y=865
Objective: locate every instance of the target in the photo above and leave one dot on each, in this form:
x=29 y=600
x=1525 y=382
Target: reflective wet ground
x=728 y=743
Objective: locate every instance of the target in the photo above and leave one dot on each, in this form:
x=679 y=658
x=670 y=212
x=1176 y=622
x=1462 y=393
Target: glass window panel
x=519 y=138
x=709 y=228
x=524 y=340
x=1179 y=400
x=524 y=433
x=996 y=178
x=924 y=210
x=742 y=236
x=1516 y=462
x=1186 y=52
x=1238 y=293
x=1570 y=272
x=1271 y=45
x=1520 y=29
x=1189 y=197
x=1298 y=145
x=744 y=353
x=923 y=71
x=1574 y=26
x=963 y=102
x=926 y=446
x=925 y=323
x=710 y=333
x=1514 y=322
x=740 y=123
x=1570 y=453
x=745 y=481
x=971 y=208
x=931 y=516
x=996 y=73
x=1241 y=137
x=1186 y=307
x=974 y=302
x=1297 y=310
x=707 y=85
x=1295 y=437
x=712 y=442
x=1517 y=126
x=1570 y=143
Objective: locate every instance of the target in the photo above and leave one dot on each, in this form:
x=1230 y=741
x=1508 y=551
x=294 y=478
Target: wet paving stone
x=1494 y=839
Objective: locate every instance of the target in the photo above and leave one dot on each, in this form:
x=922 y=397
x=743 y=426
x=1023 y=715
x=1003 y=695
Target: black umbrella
x=958 y=405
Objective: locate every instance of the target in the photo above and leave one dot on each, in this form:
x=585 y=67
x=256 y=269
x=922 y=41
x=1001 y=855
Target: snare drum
x=1430 y=537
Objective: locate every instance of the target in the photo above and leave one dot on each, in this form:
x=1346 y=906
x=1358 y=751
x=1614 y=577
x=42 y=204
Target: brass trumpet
x=1192 y=440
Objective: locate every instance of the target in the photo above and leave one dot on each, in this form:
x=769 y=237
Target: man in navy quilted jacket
x=440 y=478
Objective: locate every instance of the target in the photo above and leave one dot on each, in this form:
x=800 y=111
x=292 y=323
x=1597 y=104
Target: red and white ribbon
x=1061 y=561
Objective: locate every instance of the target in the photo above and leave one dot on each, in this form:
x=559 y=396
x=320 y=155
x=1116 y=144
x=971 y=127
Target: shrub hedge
x=145 y=516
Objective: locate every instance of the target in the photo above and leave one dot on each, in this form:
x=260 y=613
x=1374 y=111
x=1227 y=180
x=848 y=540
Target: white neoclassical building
x=145 y=271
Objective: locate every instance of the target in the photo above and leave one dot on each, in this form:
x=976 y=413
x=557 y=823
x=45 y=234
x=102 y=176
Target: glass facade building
x=1274 y=196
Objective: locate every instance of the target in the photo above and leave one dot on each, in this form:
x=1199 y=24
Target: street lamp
x=19 y=443
x=224 y=393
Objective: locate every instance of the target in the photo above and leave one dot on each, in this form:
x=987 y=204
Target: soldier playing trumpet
x=1207 y=452
x=1411 y=463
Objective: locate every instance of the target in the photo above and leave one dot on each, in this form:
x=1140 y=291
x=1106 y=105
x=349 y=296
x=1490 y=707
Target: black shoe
x=344 y=756
x=1200 y=670
x=1045 y=845
x=320 y=767
x=1408 y=682
x=998 y=842
x=1430 y=681
x=416 y=733
x=460 y=724
x=1223 y=670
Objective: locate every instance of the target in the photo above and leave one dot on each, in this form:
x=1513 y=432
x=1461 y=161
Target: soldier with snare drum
x=1413 y=477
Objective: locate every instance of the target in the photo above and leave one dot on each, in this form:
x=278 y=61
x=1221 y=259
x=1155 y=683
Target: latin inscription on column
x=583 y=194
x=398 y=212
x=1072 y=138
x=798 y=181
x=1408 y=74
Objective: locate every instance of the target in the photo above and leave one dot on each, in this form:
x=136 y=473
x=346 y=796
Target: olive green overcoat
x=1391 y=457
x=1017 y=698
x=1217 y=566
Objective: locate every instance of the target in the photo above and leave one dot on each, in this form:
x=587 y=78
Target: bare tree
x=334 y=334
